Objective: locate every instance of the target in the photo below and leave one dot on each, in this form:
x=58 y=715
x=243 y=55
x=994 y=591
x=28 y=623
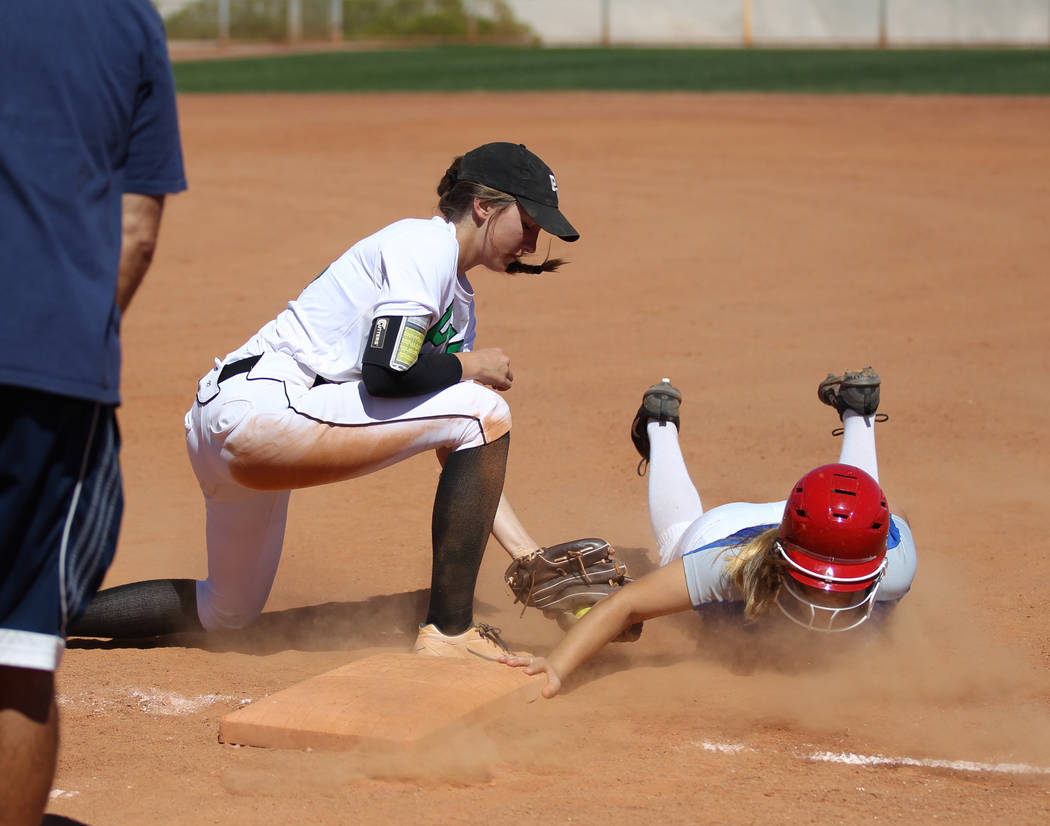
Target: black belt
x=235 y=368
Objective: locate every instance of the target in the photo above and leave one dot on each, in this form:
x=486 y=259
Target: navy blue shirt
x=87 y=113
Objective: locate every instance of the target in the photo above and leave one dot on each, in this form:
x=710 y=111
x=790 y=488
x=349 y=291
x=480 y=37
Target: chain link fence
x=339 y=20
x=775 y=23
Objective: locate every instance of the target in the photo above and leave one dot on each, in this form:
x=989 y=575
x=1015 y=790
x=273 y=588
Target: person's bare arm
x=140 y=221
x=490 y=366
x=664 y=591
x=509 y=531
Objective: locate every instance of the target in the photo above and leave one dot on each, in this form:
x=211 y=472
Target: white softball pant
x=258 y=435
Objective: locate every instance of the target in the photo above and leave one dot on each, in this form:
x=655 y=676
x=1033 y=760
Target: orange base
x=388 y=698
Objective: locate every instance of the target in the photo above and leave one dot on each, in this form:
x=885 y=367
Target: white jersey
x=408 y=268
x=292 y=431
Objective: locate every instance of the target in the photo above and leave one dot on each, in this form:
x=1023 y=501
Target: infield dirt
x=744 y=246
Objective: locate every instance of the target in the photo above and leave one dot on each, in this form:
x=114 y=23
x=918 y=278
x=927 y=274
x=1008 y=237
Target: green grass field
x=494 y=68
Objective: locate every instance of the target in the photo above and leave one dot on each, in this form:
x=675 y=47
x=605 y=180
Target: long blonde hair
x=754 y=567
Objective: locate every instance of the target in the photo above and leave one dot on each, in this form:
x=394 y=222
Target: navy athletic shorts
x=61 y=500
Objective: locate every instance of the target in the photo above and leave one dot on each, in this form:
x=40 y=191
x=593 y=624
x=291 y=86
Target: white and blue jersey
x=734 y=524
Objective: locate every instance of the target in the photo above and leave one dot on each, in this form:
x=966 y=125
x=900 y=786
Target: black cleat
x=660 y=403
x=856 y=390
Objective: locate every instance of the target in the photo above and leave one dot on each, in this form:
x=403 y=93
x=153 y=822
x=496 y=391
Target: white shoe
x=481 y=641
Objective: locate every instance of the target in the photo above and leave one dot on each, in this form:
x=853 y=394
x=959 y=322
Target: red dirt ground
x=742 y=245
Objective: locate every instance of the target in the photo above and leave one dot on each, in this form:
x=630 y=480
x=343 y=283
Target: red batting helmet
x=833 y=538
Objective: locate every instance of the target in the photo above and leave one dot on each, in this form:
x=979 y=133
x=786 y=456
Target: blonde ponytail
x=754 y=568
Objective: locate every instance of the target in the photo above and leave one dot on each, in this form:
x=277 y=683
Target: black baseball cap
x=511 y=168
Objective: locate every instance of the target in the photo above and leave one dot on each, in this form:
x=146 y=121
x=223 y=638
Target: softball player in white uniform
x=827 y=558
x=372 y=363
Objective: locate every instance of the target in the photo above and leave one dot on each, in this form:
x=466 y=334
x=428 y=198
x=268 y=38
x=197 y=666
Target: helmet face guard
x=802 y=609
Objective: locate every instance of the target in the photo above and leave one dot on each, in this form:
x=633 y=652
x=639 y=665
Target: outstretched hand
x=536 y=665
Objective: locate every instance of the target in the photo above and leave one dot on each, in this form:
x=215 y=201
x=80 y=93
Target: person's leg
x=468 y=494
x=674 y=502
x=337 y=432
x=244 y=540
x=467 y=425
x=858 y=442
x=141 y=609
x=28 y=743
x=855 y=397
x=244 y=535
x=60 y=507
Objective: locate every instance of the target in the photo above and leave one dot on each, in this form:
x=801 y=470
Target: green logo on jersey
x=440 y=333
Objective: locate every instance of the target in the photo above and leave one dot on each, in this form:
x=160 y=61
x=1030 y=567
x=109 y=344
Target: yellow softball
x=579 y=612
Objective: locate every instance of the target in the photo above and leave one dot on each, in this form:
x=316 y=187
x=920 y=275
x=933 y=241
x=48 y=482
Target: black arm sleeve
x=431 y=372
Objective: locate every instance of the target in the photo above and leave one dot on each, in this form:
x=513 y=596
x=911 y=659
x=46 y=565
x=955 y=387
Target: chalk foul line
x=150 y=701
x=849 y=758
x=877 y=760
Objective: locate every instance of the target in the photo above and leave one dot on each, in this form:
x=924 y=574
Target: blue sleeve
x=154 y=163
x=901 y=561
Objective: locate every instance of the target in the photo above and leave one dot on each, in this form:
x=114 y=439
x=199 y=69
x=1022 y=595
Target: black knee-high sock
x=140 y=609
x=465 y=505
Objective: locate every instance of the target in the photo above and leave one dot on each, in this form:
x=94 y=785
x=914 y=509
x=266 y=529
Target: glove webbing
x=570 y=555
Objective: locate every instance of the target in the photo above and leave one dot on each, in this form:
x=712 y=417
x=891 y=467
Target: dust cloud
x=935 y=680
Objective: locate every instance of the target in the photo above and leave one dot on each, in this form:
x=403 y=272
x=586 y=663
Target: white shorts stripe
x=88 y=545
x=69 y=519
x=30 y=649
